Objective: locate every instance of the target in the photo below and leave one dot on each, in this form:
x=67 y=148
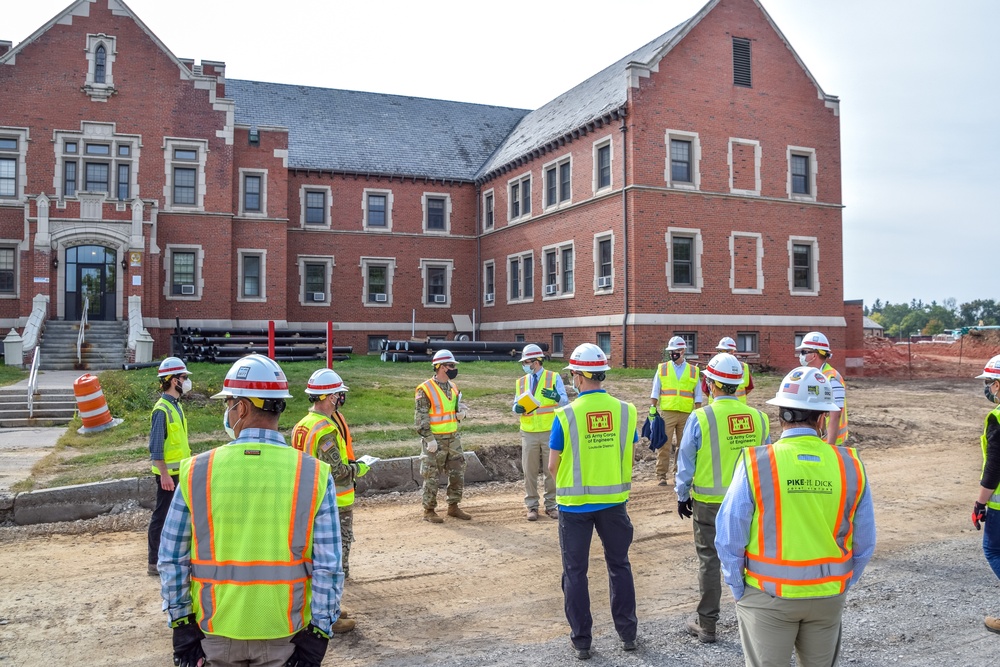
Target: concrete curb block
x=86 y=501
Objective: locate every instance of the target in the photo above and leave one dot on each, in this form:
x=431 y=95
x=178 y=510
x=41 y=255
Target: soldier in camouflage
x=438 y=410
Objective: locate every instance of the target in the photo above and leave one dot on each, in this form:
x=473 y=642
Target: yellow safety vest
x=306 y=437
x=252 y=507
x=596 y=463
x=806 y=494
x=444 y=417
x=837 y=420
x=727 y=427
x=994 y=502
x=741 y=390
x=677 y=393
x=542 y=417
x=175 y=446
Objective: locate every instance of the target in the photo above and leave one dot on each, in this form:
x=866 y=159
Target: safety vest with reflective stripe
x=443 y=412
x=994 y=501
x=541 y=418
x=175 y=446
x=306 y=436
x=836 y=420
x=727 y=427
x=596 y=463
x=806 y=494
x=345 y=433
x=252 y=511
x=741 y=390
x=677 y=393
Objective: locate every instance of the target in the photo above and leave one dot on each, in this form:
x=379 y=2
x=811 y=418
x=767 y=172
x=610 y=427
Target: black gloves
x=310 y=647
x=187 y=642
x=978 y=514
x=684 y=509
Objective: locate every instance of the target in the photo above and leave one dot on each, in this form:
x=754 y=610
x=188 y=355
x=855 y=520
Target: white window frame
x=327 y=191
x=21 y=168
x=603 y=236
x=489 y=304
x=426 y=212
x=262 y=173
x=449 y=266
x=561 y=292
x=388 y=209
x=522 y=257
x=598 y=145
x=168 y=268
x=486 y=195
x=697 y=283
x=241 y=254
x=756 y=166
x=100 y=92
x=96 y=133
x=680 y=135
x=813 y=169
x=810 y=241
x=390 y=271
x=691 y=341
x=330 y=262
x=557 y=164
x=760 y=263
x=15 y=245
x=200 y=146
x=519 y=181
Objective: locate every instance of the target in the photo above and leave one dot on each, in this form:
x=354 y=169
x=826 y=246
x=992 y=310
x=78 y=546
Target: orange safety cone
x=92 y=406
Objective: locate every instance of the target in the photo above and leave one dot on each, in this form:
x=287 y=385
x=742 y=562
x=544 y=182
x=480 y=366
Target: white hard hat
x=325 y=381
x=727 y=344
x=725 y=368
x=992 y=370
x=676 y=343
x=255 y=376
x=805 y=388
x=172 y=366
x=532 y=351
x=814 y=340
x=588 y=358
x=443 y=357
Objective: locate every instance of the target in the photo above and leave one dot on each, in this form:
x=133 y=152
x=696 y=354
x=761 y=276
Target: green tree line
x=903 y=319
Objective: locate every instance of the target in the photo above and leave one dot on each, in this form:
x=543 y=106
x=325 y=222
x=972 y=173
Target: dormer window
x=100 y=84
x=100 y=64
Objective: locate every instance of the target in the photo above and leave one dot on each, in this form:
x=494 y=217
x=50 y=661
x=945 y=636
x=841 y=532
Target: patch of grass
x=11 y=374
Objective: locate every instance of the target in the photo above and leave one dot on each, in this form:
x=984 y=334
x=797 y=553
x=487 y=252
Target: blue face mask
x=990 y=396
x=225 y=424
x=526 y=368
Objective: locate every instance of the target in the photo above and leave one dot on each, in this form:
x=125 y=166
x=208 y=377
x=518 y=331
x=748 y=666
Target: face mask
x=675 y=355
x=990 y=396
x=225 y=424
x=452 y=373
x=526 y=368
x=186 y=386
x=803 y=359
x=341 y=398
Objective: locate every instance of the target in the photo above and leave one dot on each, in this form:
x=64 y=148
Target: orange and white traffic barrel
x=92 y=405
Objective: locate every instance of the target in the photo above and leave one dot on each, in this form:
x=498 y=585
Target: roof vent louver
x=741 y=62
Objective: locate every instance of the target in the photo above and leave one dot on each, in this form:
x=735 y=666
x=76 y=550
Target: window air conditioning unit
x=439 y=298
x=318 y=296
x=489 y=297
x=550 y=289
x=187 y=289
x=381 y=298
x=603 y=281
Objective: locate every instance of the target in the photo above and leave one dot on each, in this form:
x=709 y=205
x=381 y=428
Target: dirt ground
x=487 y=591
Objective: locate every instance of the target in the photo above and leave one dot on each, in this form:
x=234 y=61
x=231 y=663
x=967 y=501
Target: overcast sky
x=918 y=82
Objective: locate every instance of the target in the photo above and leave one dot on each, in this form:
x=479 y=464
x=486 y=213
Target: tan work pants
x=666 y=456
x=535 y=459
x=771 y=627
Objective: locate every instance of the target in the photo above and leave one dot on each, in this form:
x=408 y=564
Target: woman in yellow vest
x=987 y=506
x=168 y=445
x=795 y=531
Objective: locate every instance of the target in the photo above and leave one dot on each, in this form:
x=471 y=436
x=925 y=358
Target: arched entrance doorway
x=91 y=276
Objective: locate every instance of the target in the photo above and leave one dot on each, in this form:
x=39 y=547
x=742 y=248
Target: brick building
x=692 y=188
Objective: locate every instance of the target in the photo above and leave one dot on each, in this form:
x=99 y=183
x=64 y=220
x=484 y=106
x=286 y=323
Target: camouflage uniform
x=448 y=458
x=342 y=472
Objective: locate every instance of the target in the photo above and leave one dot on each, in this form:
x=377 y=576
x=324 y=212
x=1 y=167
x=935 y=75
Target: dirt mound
x=958 y=359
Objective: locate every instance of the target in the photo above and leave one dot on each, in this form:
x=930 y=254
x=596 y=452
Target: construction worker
x=250 y=557
x=814 y=350
x=590 y=456
x=536 y=426
x=728 y=345
x=986 y=509
x=323 y=434
x=795 y=532
x=676 y=393
x=168 y=445
x=712 y=441
x=439 y=408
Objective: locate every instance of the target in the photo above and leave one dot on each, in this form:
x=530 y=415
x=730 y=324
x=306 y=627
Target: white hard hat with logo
x=443 y=357
x=172 y=366
x=255 y=376
x=814 y=340
x=676 y=343
x=992 y=370
x=727 y=344
x=532 y=351
x=725 y=368
x=805 y=388
x=325 y=381
x=588 y=358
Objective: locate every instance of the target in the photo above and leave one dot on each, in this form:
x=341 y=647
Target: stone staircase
x=52 y=407
x=103 y=348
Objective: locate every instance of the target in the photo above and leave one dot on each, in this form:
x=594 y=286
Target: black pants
x=615 y=530
x=163 y=499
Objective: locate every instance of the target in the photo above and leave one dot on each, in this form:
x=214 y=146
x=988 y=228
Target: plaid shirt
x=327 y=575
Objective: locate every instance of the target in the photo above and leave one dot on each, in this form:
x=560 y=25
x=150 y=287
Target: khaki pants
x=666 y=457
x=770 y=627
x=535 y=459
x=225 y=652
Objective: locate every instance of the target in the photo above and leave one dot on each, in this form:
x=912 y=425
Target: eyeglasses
x=449 y=365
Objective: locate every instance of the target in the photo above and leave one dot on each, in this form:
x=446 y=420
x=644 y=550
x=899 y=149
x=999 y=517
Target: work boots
x=456 y=511
x=343 y=625
x=431 y=515
x=704 y=635
x=992 y=624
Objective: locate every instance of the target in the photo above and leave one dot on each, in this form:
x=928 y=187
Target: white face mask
x=526 y=368
x=230 y=430
x=186 y=386
x=803 y=359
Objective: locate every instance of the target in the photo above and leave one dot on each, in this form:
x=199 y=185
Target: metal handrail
x=83 y=329
x=33 y=381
